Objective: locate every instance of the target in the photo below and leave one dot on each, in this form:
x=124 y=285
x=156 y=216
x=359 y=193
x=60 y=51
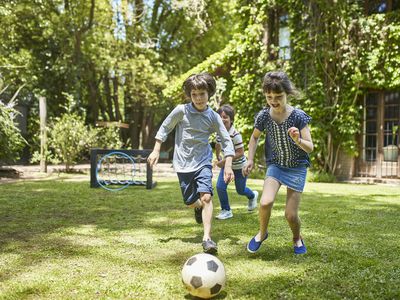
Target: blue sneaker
x=300 y=250
x=253 y=245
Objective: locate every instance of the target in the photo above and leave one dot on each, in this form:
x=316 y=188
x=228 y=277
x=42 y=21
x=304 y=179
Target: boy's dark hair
x=228 y=110
x=202 y=81
x=278 y=82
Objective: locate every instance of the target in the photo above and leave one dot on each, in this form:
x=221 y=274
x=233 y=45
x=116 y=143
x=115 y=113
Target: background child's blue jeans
x=240 y=183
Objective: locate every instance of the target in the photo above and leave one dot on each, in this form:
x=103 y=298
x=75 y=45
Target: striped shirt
x=237 y=141
x=280 y=149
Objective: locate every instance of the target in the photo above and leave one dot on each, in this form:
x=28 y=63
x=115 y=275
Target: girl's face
x=199 y=99
x=226 y=120
x=277 y=101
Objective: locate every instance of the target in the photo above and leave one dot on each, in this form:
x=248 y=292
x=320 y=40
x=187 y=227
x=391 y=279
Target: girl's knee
x=266 y=203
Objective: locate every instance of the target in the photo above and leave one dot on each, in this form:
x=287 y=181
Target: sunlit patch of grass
x=62 y=240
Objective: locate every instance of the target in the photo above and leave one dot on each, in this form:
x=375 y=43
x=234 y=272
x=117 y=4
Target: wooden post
x=43 y=134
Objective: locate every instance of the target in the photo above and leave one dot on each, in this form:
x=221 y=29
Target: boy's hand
x=294 y=133
x=247 y=168
x=228 y=175
x=153 y=158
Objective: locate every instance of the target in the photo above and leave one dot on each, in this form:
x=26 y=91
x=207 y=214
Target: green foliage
x=11 y=141
x=69 y=136
x=336 y=55
x=321 y=176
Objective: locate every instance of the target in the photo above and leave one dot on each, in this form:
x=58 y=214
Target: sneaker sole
x=224 y=218
x=211 y=251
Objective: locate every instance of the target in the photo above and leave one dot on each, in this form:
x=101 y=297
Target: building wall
x=345 y=167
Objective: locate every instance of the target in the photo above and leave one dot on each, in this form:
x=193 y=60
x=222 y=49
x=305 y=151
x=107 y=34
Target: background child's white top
x=237 y=141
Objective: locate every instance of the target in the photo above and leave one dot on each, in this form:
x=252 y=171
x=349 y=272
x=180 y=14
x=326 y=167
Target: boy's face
x=199 y=99
x=226 y=120
x=276 y=101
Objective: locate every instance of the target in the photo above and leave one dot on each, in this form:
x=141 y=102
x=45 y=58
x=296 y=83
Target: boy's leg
x=222 y=191
x=292 y=214
x=206 y=199
x=205 y=191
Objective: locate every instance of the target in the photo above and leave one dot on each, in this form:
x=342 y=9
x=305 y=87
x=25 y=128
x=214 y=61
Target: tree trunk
x=109 y=102
x=115 y=98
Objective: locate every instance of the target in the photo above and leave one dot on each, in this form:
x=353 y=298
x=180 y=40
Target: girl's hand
x=247 y=168
x=294 y=133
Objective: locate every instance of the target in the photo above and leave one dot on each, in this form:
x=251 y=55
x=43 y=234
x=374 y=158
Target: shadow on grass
x=341 y=233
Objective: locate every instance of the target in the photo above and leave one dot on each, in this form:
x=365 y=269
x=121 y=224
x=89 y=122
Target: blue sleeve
x=261 y=121
x=302 y=119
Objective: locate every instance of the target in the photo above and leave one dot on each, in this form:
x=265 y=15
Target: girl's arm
x=305 y=141
x=252 y=151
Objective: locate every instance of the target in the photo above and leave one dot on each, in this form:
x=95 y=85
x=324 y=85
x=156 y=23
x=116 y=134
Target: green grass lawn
x=60 y=239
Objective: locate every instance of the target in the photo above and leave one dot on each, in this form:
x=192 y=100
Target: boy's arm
x=166 y=127
x=228 y=172
x=155 y=155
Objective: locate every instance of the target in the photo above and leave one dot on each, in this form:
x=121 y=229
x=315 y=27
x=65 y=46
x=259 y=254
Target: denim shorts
x=194 y=183
x=294 y=178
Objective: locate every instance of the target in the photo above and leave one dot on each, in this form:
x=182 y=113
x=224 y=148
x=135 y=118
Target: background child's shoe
x=253 y=202
x=224 y=214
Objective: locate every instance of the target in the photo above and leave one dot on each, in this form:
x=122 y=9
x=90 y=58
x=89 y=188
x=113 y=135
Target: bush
x=11 y=141
x=69 y=136
x=321 y=176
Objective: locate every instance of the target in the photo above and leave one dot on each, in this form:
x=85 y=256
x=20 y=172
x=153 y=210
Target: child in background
x=227 y=114
x=194 y=123
x=287 y=144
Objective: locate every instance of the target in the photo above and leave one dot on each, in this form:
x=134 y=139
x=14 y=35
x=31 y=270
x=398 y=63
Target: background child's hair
x=202 y=81
x=228 y=110
x=278 y=82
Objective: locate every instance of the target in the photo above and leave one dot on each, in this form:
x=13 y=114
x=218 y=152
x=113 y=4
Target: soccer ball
x=203 y=275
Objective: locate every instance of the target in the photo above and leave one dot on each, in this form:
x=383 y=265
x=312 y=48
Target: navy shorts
x=194 y=183
x=293 y=178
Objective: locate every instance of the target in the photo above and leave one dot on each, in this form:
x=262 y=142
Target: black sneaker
x=197 y=215
x=210 y=247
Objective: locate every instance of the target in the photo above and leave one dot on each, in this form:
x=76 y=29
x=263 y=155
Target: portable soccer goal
x=116 y=169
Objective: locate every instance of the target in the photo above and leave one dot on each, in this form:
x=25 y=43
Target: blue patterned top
x=280 y=149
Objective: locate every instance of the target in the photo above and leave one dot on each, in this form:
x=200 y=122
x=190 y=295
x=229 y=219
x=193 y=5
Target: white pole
x=43 y=134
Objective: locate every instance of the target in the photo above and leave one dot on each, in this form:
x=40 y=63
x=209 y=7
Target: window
x=381 y=6
x=284 y=38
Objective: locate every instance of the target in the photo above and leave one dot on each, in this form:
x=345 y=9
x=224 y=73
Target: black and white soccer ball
x=203 y=275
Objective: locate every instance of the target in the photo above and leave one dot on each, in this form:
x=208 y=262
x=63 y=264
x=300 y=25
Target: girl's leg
x=207 y=212
x=292 y=214
x=240 y=184
x=222 y=191
x=270 y=189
